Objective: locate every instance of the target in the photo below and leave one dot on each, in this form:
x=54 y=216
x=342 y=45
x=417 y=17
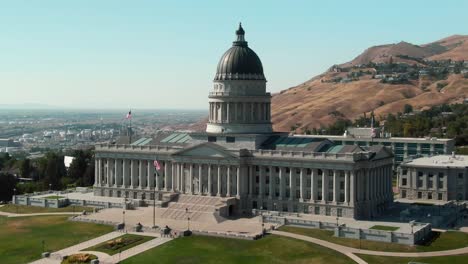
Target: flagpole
x=154 y=201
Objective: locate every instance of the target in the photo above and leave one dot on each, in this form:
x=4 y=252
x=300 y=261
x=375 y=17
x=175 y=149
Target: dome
x=239 y=62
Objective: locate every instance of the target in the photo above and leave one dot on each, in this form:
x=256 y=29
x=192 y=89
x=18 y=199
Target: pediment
x=206 y=150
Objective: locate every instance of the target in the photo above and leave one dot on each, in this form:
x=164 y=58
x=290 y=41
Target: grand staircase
x=198 y=208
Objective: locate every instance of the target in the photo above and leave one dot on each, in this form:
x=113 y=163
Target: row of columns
x=240 y=112
x=220 y=180
x=325 y=176
x=360 y=185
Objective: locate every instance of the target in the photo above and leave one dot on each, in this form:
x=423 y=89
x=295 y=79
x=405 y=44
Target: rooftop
x=453 y=161
x=341 y=137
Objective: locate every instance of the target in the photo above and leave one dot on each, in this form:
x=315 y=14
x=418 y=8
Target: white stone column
x=238 y=183
x=219 y=180
x=132 y=173
x=346 y=187
x=292 y=184
x=352 y=189
x=173 y=175
x=117 y=172
x=228 y=178
x=141 y=174
x=301 y=185
x=313 y=185
x=324 y=185
x=200 y=179
x=108 y=173
x=96 y=172
x=210 y=181
x=191 y=178
x=261 y=181
x=335 y=186
x=282 y=185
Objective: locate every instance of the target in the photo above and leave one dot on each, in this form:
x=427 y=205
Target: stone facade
x=239 y=156
x=438 y=178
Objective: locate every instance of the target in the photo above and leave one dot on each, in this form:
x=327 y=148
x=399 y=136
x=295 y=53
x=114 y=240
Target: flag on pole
x=372 y=127
x=129 y=115
x=157 y=165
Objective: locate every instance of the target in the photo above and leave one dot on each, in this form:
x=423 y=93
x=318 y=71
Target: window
x=230 y=139
x=257 y=168
x=327 y=211
x=339 y=212
x=430 y=179
x=439 y=196
x=404 y=181
x=287 y=170
x=317 y=210
x=460 y=176
x=429 y=196
x=254 y=204
x=404 y=172
x=267 y=179
x=211 y=139
x=403 y=194
x=298 y=171
x=419 y=195
x=440 y=184
x=256 y=179
x=420 y=174
x=277 y=169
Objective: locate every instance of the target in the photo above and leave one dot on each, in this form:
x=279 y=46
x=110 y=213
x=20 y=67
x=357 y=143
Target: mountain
x=382 y=79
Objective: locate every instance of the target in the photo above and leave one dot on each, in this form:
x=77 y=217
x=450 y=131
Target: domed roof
x=239 y=62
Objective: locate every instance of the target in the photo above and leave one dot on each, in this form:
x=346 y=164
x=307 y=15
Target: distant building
x=402 y=147
x=436 y=178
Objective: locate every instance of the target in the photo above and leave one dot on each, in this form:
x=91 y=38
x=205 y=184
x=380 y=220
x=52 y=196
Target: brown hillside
x=314 y=104
x=319 y=102
x=382 y=54
x=454 y=47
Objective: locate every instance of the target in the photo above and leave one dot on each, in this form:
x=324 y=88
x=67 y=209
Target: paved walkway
x=349 y=251
x=38 y=214
x=103 y=257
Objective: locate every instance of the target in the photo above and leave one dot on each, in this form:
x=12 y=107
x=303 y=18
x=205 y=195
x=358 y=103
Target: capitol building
x=241 y=164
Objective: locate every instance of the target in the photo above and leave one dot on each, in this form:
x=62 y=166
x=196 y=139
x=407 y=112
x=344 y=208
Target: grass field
x=385 y=228
x=21 y=237
x=271 y=249
x=26 y=209
x=447 y=240
x=128 y=241
x=459 y=259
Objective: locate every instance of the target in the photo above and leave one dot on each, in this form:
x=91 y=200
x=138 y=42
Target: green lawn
x=459 y=259
x=447 y=240
x=385 y=228
x=271 y=249
x=26 y=209
x=128 y=241
x=21 y=237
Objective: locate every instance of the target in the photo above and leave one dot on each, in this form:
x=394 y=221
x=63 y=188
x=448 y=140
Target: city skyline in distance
x=160 y=56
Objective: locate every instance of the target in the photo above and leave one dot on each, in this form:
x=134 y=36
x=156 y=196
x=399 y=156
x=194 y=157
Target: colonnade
x=191 y=178
x=239 y=112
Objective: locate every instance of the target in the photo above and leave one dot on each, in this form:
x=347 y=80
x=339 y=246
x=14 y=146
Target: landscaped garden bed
x=120 y=244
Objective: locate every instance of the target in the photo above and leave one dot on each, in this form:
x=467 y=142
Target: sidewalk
x=103 y=257
x=37 y=214
x=349 y=250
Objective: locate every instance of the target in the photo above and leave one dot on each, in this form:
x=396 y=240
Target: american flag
x=129 y=115
x=157 y=165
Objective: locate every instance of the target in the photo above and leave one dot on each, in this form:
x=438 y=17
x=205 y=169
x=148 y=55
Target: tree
x=25 y=168
x=7 y=184
x=407 y=109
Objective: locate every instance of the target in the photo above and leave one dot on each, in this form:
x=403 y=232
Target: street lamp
x=14 y=195
x=50 y=187
x=412 y=225
x=188 y=218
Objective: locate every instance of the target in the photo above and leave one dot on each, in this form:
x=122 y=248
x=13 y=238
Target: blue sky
x=163 y=54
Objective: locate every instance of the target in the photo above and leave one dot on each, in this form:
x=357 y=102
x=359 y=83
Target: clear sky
x=163 y=54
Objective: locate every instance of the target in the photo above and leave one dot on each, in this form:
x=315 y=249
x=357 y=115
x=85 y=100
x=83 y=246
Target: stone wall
x=357 y=233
